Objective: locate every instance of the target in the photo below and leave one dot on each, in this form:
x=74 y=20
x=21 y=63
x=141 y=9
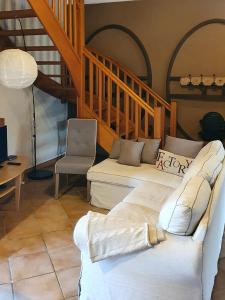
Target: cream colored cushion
x=208 y=163
x=183 y=210
x=172 y=163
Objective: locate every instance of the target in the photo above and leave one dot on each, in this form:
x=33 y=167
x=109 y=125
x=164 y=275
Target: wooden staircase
x=101 y=88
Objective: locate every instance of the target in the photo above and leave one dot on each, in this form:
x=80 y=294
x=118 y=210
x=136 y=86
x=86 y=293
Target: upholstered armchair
x=80 y=149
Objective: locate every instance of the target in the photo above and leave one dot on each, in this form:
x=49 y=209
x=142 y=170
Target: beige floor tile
x=51 y=224
x=50 y=210
x=26 y=228
x=43 y=287
x=68 y=280
x=65 y=258
x=6 y=292
x=17 y=247
x=4 y=272
x=58 y=239
x=30 y=265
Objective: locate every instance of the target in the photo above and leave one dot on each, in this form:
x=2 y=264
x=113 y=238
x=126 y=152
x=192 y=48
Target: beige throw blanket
x=109 y=236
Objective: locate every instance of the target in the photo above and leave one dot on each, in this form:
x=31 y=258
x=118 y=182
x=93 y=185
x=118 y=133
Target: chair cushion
x=208 y=163
x=109 y=171
x=183 y=147
x=172 y=163
x=150 y=150
x=74 y=164
x=183 y=210
x=130 y=153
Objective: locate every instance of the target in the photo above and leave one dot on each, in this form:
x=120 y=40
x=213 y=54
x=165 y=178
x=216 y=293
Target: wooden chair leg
x=56 y=185
x=88 y=191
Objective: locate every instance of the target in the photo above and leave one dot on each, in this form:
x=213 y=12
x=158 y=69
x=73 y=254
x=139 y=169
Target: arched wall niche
x=200 y=51
x=126 y=44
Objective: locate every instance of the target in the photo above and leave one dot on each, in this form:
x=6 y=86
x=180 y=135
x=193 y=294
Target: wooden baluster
x=91 y=84
x=59 y=11
x=127 y=115
x=117 y=103
x=163 y=126
x=103 y=81
x=100 y=93
x=53 y=5
x=158 y=122
x=146 y=123
x=140 y=110
x=132 y=103
x=136 y=120
x=65 y=15
x=109 y=101
x=173 y=119
x=96 y=80
x=118 y=109
x=75 y=25
x=70 y=21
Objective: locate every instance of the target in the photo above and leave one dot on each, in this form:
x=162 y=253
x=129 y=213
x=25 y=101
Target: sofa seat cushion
x=109 y=171
x=149 y=194
x=135 y=213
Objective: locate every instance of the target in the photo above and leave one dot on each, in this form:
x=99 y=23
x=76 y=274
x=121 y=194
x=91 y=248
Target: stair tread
x=49 y=62
x=39 y=31
x=12 y=14
x=35 y=48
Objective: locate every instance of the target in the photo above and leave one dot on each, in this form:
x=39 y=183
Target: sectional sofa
x=184 y=266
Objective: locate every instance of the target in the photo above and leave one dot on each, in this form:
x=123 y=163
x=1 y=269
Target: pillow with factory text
x=172 y=163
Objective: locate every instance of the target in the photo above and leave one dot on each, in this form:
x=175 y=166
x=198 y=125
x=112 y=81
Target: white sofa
x=181 y=268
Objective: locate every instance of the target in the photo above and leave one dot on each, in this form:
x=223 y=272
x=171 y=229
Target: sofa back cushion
x=115 y=150
x=183 y=147
x=130 y=153
x=183 y=210
x=172 y=163
x=150 y=150
x=208 y=163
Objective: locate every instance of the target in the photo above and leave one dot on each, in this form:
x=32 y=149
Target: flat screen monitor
x=3 y=144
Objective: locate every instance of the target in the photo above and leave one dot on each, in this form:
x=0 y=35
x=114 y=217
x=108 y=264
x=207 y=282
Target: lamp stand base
x=36 y=174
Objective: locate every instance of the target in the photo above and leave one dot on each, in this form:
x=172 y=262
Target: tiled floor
x=38 y=260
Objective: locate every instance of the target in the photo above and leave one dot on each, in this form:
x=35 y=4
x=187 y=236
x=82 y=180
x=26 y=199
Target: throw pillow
x=130 y=153
x=150 y=150
x=172 y=163
x=183 y=147
x=183 y=210
x=115 y=151
x=208 y=163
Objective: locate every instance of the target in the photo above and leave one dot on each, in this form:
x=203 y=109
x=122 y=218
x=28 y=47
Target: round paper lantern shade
x=18 y=69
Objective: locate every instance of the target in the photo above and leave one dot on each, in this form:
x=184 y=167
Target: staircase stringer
x=61 y=41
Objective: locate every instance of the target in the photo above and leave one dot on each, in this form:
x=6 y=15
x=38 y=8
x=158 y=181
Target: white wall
x=16 y=108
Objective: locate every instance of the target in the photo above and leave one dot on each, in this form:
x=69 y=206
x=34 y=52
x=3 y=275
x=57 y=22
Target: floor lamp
x=18 y=70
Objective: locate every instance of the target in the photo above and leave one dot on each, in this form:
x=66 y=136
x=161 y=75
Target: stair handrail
x=130 y=74
x=118 y=81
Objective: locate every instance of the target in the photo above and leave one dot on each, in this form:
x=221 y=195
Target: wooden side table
x=14 y=174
